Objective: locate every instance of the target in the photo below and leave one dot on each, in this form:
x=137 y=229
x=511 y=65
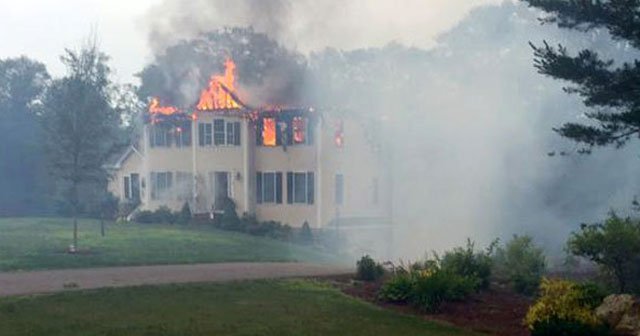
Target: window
x=300 y=188
x=135 y=187
x=299 y=130
x=184 y=186
x=339 y=196
x=127 y=188
x=233 y=133
x=204 y=134
x=269 y=188
x=161 y=185
x=269 y=132
x=159 y=136
x=182 y=134
x=218 y=132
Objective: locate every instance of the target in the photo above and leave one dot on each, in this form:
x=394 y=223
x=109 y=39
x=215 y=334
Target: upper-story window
x=284 y=130
x=219 y=133
x=159 y=136
x=182 y=134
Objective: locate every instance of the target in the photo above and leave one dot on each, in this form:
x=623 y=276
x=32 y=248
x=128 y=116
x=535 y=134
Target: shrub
x=164 y=215
x=562 y=310
x=305 y=237
x=522 y=263
x=398 y=289
x=184 y=216
x=145 y=217
x=368 y=269
x=615 y=246
x=470 y=264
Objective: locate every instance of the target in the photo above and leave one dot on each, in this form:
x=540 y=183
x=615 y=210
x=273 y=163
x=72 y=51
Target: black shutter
x=310 y=129
x=290 y=187
x=259 y=188
x=167 y=136
x=154 y=186
x=236 y=133
x=127 y=188
x=152 y=135
x=259 y=127
x=279 y=188
x=169 y=180
x=289 y=121
x=201 y=135
x=310 y=188
x=278 y=132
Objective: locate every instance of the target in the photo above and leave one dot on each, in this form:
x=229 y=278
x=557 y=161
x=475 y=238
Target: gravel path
x=23 y=283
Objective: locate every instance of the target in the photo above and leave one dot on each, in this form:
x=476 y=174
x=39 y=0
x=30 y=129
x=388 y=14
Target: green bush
x=162 y=215
x=368 y=269
x=591 y=294
x=306 y=236
x=469 y=263
x=184 y=216
x=398 y=289
x=615 y=246
x=564 y=308
x=522 y=263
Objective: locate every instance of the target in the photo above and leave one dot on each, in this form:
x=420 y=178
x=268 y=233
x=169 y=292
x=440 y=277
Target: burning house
x=291 y=165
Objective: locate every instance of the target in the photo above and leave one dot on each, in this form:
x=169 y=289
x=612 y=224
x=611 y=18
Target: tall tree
x=608 y=87
x=22 y=82
x=81 y=125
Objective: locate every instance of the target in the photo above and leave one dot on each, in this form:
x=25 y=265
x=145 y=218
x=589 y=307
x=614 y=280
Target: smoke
x=466 y=117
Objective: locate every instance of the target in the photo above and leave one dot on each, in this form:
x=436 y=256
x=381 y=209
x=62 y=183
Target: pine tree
x=609 y=89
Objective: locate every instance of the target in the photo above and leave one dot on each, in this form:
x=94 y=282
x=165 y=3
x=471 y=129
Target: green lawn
x=40 y=243
x=290 y=307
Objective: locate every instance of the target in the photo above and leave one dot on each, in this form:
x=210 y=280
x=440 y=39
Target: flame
x=339 y=134
x=216 y=97
x=155 y=108
x=269 y=132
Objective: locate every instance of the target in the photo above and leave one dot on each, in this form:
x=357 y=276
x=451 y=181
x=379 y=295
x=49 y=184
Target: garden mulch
x=498 y=311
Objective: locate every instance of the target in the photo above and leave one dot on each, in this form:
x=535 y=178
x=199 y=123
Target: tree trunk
x=102 y=226
x=75 y=232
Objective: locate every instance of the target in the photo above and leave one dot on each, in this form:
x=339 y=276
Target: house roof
x=115 y=161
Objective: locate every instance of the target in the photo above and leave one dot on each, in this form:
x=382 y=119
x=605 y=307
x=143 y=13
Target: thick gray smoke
x=466 y=117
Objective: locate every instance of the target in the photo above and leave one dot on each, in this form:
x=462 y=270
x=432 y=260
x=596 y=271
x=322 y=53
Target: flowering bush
x=562 y=310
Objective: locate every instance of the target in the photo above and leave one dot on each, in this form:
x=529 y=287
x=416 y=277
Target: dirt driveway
x=22 y=283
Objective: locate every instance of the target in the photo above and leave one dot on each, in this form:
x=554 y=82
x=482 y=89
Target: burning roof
x=220 y=96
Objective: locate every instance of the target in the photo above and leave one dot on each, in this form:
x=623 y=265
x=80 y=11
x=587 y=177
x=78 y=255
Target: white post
x=318 y=142
x=194 y=162
x=246 y=162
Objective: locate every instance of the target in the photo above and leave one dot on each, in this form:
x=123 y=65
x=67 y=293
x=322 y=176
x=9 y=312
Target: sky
x=41 y=29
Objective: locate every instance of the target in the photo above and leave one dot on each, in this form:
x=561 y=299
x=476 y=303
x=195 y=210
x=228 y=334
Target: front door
x=221 y=186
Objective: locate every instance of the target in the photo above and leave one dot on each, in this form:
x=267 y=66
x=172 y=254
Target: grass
x=290 y=307
x=41 y=243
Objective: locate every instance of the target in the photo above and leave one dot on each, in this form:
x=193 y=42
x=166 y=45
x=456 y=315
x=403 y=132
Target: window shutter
x=236 y=133
x=154 y=186
x=289 y=187
x=259 y=188
x=152 y=135
x=201 y=135
x=310 y=188
x=279 y=188
x=310 y=129
x=127 y=189
x=259 y=126
x=169 y=180
x=278 y=132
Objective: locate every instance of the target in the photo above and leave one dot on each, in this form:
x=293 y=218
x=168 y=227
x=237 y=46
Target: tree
x=22 y=82
x=607 y=87
x=269 y=72
x=80 y=126
x=614 y=245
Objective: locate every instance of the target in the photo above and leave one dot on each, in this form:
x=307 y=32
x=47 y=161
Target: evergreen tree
x=609 y=88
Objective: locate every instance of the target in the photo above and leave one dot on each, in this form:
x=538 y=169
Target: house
x=291 y=165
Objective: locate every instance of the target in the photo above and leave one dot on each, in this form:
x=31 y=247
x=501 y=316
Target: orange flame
x=155 y=108
x=216 y=97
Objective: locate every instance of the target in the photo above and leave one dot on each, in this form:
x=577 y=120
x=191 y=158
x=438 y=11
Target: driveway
x=23 y=283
